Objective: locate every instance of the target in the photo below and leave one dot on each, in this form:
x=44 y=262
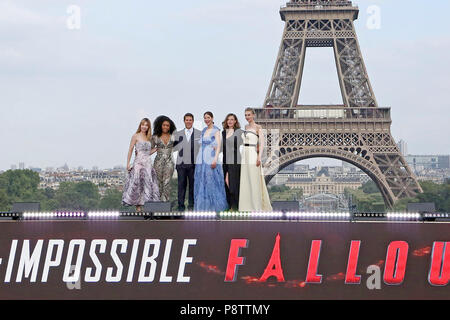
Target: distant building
x=13 y=167
x=420 y=162
x=64 y=168
x=348 y=167
x=283 y=177
x=290 y=167
x=21 y=166
x=323 y=183
x=403 y=147
x=108 y=178
x=301 y=167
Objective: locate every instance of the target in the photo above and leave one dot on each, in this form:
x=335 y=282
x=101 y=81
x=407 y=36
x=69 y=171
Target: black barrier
x=26 y=206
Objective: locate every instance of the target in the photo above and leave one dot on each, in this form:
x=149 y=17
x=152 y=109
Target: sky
x=75 y=92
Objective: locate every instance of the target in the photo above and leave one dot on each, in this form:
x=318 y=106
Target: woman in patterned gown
x=140 y=185
x=164 y=164
x=209 y=185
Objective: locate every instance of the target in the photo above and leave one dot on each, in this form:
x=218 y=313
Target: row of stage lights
x=291 y=216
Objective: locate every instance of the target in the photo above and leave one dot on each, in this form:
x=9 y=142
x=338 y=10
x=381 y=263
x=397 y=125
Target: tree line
x=23 y=186
x=369 y=199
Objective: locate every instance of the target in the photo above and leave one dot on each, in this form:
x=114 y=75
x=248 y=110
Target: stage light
x=267 y=215
x=237 y=215
x=255 y=215
x=403 y=216
x=168 y=215
x=369 y=216
x=52 y=215
x=103 y=214
x=135 y=215
x=10 y=215
x=436 y=217
x=34 y=215
x=200 y=215
x=318 y=216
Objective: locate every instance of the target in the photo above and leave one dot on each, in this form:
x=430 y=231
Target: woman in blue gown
x=209 y=186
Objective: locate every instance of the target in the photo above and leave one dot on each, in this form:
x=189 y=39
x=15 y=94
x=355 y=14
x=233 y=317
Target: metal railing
x=314 y=3
x=331 y=113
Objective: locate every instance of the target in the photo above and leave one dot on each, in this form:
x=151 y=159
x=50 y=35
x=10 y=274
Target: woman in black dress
x=232 y=141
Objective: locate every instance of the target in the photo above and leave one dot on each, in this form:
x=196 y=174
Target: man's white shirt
x=188 y=133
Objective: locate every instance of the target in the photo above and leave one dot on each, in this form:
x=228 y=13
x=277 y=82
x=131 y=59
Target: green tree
x=111 y=200
x=366 y=202
x=283 y=193
x=19 y=184
x=370 y=187
x=4 y=201
x=437 y=193
x=77 y=196
x=279 y=188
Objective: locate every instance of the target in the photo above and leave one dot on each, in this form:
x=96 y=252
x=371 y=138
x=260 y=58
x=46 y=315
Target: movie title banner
x=232 y=260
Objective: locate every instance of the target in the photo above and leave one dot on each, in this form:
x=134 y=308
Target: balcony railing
x=324 y=113
x=314 y=3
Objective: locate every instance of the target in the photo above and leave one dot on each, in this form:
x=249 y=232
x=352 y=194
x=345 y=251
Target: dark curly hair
x=157 y=125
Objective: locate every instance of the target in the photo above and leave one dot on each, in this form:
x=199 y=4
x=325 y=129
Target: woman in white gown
x=253 y=195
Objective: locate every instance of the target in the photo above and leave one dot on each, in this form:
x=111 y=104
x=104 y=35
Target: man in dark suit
x=187 y=146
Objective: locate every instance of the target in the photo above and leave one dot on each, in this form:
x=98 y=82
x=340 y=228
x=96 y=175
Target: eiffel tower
x=358 y=132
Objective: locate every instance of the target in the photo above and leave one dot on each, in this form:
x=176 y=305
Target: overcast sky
x=76 y=96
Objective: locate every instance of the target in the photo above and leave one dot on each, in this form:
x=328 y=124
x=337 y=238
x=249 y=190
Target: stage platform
x=202 y=256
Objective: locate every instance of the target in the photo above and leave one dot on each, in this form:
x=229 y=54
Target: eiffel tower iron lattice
x=358 y=132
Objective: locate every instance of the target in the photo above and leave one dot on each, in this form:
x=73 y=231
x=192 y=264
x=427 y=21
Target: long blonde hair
x=149 y=131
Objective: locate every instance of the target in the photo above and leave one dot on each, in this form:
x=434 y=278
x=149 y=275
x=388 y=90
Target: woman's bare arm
x=260 y=144
x=130 y=150
x=154 y=147
x=219 y=142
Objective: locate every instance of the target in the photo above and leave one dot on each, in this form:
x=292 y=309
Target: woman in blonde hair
x=141 y=184
x=253 y=195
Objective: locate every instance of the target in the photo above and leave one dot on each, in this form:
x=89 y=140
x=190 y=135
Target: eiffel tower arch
x=358 y=131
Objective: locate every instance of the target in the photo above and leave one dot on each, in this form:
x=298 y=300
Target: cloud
x=37 y=44
x=61 y=86
x=14 y=15
x=229 y=11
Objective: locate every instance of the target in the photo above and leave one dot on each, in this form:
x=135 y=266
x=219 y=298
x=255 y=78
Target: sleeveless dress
x=141 y=185
x=253 y=194
x=164 y=165
x=209 y=187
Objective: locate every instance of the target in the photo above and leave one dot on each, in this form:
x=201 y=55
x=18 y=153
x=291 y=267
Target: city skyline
x=76 y=96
